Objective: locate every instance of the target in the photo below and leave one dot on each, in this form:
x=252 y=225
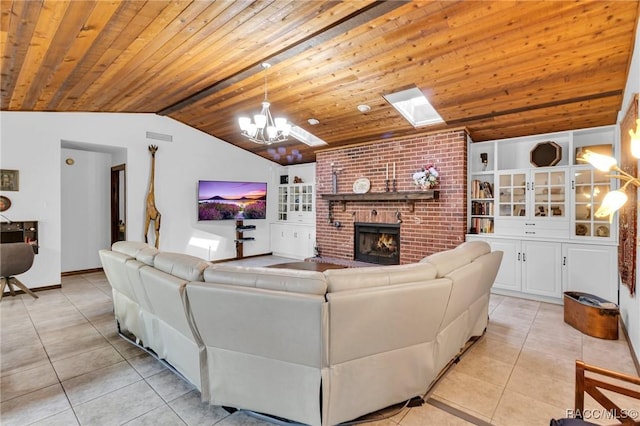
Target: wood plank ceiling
x=498 y=68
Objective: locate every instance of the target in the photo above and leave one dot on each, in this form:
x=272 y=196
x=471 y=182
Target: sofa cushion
x=180 y=265
x=473 y=249
x=445 y=261
x=298 y=281
x=449 y=260
x=378 y=276
x=130 y=248
x=147 y=255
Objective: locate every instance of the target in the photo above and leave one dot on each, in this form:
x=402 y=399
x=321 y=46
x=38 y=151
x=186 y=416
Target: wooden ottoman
x=591 y=315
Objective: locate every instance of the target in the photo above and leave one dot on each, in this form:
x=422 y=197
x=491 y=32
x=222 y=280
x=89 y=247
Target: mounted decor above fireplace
x=377 y=243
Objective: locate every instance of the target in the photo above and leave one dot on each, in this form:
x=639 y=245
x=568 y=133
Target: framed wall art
x=9 y=180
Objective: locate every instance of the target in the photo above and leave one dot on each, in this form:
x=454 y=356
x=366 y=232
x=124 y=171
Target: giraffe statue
x=152 y=212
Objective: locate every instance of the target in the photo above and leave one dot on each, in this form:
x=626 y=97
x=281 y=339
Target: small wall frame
x=9 y=180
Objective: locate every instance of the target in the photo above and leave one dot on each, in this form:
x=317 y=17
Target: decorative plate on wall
x=361 y=186
x=5 y=203
x=546 y=154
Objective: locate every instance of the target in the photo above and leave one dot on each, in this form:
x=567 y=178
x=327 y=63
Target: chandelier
x=264 y=129
x=614 y=200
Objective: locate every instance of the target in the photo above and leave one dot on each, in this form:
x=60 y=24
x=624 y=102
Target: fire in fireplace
x=377 y=243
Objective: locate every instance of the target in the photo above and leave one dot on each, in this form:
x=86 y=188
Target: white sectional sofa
x=311 y=347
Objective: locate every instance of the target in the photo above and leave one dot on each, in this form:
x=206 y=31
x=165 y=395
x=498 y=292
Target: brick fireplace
x=425 y=227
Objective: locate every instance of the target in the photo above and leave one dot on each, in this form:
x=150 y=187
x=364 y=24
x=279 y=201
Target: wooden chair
x=593 y=386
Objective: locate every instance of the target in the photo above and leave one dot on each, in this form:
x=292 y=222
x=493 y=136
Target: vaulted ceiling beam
x=361 y=17
x=528 y=108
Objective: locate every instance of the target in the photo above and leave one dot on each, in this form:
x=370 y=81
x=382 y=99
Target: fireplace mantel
x=408 y=196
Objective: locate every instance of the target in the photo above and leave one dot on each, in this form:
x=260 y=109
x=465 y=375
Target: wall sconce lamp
x=614 y=200
x=484 y=157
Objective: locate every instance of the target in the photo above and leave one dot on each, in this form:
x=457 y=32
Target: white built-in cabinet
x=533 y=267
x=542 y=218
x=293 y=240
x=294 y=234
x=588 y=266
x=543 y=270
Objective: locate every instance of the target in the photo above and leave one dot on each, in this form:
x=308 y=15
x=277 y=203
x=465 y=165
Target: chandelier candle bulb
x=394 y=169
x=387 y=177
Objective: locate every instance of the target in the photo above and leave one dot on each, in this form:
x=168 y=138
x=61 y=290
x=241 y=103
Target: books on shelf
x=481 y=208
x=481 y=189
x=482 y=225
x=482 y=205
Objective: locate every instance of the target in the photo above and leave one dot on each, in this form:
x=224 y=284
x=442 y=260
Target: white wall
x=31 y=142
x=630 y=306
x=85 y=199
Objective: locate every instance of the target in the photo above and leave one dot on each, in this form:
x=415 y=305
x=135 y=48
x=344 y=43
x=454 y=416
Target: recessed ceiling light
x=364 y=108
x=313 y=121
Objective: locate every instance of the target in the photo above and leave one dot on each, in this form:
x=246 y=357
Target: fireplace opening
x=377 y=243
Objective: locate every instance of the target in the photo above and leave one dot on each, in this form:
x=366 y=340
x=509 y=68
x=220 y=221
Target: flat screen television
x=226 y=200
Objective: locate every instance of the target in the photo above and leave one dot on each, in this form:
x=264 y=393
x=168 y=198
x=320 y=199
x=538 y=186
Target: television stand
x=241 y=228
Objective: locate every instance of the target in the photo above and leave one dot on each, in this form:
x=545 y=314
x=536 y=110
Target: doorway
x=118 y=203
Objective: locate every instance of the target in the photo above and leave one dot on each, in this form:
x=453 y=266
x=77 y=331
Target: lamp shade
x=261 y=120
x=601 y=162
x=244 y=123
x=611 y=203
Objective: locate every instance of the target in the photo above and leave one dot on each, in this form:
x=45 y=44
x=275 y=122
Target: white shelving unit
x=294 y=234
x=543 y=218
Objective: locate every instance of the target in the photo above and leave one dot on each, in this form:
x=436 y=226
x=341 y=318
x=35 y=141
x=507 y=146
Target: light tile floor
x=62 y=363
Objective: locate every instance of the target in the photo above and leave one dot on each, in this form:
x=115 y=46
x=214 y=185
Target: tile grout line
x=504 y=389
x=44 y=348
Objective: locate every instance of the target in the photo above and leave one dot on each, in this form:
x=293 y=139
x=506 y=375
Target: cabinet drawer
x=532 y=228
x=301 y=217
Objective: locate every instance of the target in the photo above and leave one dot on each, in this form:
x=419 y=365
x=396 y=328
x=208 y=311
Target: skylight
x=305 y=137
x=414 y=107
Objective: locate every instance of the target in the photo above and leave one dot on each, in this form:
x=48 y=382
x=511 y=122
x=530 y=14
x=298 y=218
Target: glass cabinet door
x=512 y=194
x=590 y=185
x=549 y=193
x=306 y=198
x=282 y=202
x=294 y=199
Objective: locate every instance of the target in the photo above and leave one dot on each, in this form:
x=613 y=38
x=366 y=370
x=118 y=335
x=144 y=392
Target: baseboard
x=633 y=353
x=80 y=272
x=239 y=258
x=35 y=290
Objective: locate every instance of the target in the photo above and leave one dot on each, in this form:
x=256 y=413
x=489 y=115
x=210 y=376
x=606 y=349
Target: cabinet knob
x=518 y=256
x=564 y=261
x=524 y=257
